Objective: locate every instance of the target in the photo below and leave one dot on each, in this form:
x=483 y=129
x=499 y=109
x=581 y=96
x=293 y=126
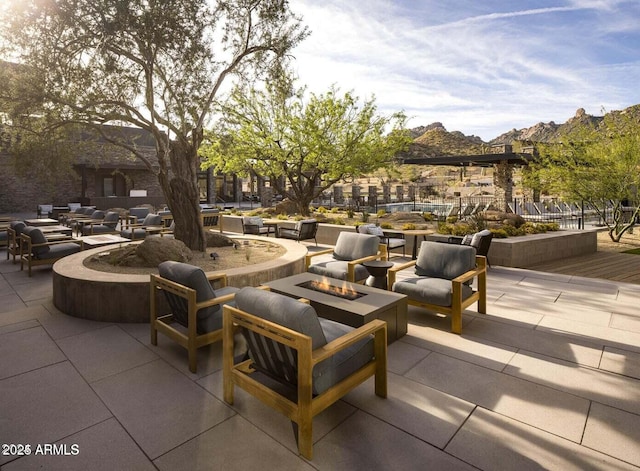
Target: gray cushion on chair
x=429 y=290
x=445 y=260
x=37 y=237
x=338 y=269
x=209 y=318
x=477 y=237
x=152 y=220
x=301 y=317
x=351 y=246
x=60 y=250
x=282 y=310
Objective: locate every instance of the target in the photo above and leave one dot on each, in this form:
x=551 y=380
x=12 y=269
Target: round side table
x=377 y=273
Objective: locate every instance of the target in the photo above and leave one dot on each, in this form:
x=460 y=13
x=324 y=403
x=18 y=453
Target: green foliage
x=381 y=212
x=313 y=142
x=427 y=216
x=155 y=65
x=452 y=219
x=499 y=233
x=408 y=226
x=386 y=225
x=365 y=216
x=322 y=210
x=350 y=213
x=335 y=210
x=595 y=165
x=282 y=217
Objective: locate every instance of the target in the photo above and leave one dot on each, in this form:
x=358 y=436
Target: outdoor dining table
x=417 y=233
x=41 y=222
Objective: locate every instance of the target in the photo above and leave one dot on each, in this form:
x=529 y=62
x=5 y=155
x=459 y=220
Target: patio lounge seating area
x=548 y=378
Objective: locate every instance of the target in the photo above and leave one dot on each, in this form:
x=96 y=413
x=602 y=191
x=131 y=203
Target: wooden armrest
x=402 y=266
x=364 y=259
x=307 y=258
x=216 y=300
x=218 y=276
x=347 y=340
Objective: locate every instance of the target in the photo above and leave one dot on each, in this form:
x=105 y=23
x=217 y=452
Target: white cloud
x=480 y=72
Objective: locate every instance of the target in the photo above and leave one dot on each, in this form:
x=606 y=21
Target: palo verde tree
x=154 y=64
x=596 y=166
x=303 y=146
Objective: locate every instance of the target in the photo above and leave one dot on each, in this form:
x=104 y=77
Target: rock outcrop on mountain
x=434 y=140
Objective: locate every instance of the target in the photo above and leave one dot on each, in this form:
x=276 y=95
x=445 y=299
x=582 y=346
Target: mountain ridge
x=434 y=139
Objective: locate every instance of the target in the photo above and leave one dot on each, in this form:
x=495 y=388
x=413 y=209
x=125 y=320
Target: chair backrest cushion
x=479 y=236
x=98 y=214
x=282 y=310
x=446 y=261
x=17 y=226
x=192 y=277
x=37 y=237
x=152 y=220
x=371 y=229
x=111 y=219
x=307 y=228
x=252 y=221
x=351 y=246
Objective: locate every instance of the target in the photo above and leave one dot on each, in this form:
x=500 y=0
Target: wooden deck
x=605 y=265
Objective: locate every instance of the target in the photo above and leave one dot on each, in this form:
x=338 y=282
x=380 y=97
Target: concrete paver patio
x=548 y=379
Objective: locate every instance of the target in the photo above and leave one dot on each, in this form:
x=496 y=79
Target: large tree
x=597 y=165
x=303 y=145
x=155 y=64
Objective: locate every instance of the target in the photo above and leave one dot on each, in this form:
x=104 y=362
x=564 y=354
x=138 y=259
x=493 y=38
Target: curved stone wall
x=111 y=297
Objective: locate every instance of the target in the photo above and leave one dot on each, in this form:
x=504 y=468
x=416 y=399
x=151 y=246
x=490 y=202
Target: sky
x=479 y=67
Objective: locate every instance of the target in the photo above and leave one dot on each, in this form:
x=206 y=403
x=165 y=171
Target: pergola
x=502 y=162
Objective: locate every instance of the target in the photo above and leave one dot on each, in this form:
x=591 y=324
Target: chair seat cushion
x=59 y=251
x=288 y=233
x=344 y=363
x=394 y=242
x=96 y=229
x=133 y=233
x=338 y=269
x=429 y=290
x=211 y=323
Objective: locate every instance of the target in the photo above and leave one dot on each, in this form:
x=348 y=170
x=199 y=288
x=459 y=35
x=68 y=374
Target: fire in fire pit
x=324 y=286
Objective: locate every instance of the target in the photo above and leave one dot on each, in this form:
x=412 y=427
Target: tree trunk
x=183 y=196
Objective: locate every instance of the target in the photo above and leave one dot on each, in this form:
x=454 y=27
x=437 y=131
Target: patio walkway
x=549 y=379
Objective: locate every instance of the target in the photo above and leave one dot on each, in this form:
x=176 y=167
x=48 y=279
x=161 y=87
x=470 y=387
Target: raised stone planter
x=526 y=251
x=113 y=297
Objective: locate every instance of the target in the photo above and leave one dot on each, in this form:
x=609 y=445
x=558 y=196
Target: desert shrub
x=381 y=212
x=350 y=213
x=499 y=233
x=338 y=221
x=322 y=209
x=298 y=217
x=335 y=210
x=461 y=229
x=408 y=226
x=477 y=222
x=282 y=216
x=452 y=219
x=386 y=225
x=365 y=216
x=427 y=216
x=512 y=231
x=511 y=219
